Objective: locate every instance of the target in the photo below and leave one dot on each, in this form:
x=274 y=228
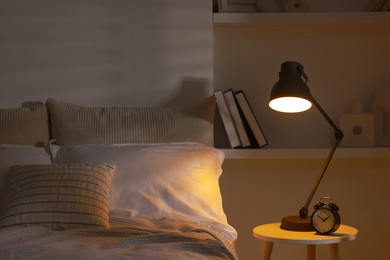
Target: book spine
x=234 y=110
x=251 y=119
x=227 y=120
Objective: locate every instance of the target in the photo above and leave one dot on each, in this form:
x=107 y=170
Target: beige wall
x=107 y=52
x=265 y=190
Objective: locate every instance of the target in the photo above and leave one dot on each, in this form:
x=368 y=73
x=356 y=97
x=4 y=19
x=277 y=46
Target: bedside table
x=271 y=233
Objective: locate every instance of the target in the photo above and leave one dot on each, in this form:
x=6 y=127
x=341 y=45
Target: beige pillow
x=59 y=196
x=27 y=125
x=74 y=124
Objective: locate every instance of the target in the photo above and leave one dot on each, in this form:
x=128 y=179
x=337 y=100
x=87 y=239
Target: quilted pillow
x=59 y=196
x=74 y=124
x=27 y=125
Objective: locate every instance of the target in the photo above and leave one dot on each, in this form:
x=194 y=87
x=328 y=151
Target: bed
x=79 y=182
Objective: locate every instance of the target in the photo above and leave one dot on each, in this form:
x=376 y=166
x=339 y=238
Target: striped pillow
x=26 y=125
x=59 y=196
x=74 y=124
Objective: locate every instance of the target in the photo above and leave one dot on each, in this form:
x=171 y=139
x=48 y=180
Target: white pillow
x=179 y=181
x=19 y=154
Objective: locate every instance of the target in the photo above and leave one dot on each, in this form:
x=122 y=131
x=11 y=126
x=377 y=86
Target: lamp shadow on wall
x=190 y=91
x=193 y=90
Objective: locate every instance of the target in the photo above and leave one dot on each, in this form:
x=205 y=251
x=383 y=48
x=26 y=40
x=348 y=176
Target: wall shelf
x=305 y=153
x=310 y=17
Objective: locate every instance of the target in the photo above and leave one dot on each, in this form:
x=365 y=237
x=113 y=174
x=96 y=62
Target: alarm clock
x=325 y=218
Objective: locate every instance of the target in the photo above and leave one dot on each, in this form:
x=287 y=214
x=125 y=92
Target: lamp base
x=296 y=223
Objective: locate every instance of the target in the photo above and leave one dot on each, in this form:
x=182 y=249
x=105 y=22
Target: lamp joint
x=339 y=134
x=303 y=212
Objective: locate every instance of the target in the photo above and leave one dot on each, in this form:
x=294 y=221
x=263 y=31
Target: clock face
x=324 y=220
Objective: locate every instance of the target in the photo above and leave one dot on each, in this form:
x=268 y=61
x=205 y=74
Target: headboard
x=106 y=52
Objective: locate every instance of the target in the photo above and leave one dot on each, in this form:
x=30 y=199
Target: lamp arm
x=303 y=213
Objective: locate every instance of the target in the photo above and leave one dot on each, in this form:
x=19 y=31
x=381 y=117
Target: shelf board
x=310 y=17
x=306 y=153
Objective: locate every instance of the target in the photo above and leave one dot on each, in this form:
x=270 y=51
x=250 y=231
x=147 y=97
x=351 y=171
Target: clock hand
x=320 y=217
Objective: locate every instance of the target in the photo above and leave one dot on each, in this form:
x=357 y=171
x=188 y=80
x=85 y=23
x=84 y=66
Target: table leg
x=334 y=251
x=267 y=250
x=311 y=252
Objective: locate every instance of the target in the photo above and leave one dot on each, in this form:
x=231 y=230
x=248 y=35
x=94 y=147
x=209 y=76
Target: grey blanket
x=125 y=239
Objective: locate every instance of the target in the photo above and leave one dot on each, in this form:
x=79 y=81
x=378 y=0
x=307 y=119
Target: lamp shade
x=291 y=94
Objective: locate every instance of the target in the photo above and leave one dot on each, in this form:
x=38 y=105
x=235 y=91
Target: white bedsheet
x=126 y=239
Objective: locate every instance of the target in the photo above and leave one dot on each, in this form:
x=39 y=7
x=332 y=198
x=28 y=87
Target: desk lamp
x=290 y=95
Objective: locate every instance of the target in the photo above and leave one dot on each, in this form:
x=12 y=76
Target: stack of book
x=239 y=121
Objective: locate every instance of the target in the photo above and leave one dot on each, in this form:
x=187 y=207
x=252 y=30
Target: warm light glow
x=290 y=104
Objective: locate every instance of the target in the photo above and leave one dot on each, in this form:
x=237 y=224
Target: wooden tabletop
x=273 y=233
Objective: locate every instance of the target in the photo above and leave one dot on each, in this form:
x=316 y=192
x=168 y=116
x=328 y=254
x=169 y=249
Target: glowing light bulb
x=290 y=104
